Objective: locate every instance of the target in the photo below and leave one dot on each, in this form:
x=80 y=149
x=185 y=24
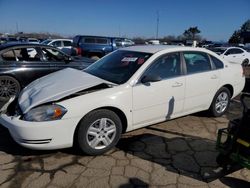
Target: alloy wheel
x=221 y=102
x=101 y=133
x=8 y=87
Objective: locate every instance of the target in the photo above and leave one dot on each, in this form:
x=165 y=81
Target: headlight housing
x=45 y=113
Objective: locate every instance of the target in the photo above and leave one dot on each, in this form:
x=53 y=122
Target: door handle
x=177 y=84
x=214 y=77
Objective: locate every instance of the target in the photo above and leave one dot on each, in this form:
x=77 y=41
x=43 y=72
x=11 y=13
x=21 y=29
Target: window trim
x=138 y=82
x=213 y=64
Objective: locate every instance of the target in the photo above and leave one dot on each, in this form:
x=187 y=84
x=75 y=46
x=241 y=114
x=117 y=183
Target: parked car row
x=96 y=47
x=128 y=89
x=234 y=54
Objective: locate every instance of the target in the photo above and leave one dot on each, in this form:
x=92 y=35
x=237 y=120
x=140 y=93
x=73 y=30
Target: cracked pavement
x=177 y=153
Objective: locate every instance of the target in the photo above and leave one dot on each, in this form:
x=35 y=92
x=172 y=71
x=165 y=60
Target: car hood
x=56 y=86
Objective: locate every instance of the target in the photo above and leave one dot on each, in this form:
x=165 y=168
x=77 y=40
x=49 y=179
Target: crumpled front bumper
x=40 y=135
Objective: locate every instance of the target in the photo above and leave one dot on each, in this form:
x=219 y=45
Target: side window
x=9 y=56
x=89 y=40
x=67 y=43
x=229 y=52
x=53 y=55
x=196 y=62
x=27 y=54
x=238 y=51
x=217 y=63
x=101 y=41
x=57 y=43
x=167 y=66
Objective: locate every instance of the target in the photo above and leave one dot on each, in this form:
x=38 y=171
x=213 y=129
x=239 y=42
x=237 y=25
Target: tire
x=9 y=87
x=220 y=102
x=95 y=57
x=99 y=131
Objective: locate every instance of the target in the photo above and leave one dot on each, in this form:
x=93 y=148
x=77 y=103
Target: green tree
x=235 y=38
x=191 y=33
x=246 y=26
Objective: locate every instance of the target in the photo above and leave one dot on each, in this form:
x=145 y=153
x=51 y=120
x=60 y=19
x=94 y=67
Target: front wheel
x=9 y=87
x=220 y=102
x=99 y=131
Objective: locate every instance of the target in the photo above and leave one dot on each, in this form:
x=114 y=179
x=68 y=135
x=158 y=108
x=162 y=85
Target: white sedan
x=233 y=54
x=128 y=89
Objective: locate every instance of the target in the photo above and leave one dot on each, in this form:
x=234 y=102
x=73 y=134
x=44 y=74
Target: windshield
x=219 y=51
x=119 y=66
x=46 y=42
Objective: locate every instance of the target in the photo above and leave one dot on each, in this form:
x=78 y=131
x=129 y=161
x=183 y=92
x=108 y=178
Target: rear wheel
x=220 y=102
x=99 y=131
x=9 y=87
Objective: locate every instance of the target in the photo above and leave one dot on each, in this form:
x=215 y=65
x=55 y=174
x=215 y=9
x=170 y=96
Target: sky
x=216 y=19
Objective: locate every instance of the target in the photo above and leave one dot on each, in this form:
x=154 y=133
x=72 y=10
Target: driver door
x=161 y=100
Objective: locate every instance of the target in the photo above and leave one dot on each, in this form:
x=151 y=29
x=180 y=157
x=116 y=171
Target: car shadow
x=183 y=154
x=235 y=182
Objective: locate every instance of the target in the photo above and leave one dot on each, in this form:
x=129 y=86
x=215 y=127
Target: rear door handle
x=177 y=84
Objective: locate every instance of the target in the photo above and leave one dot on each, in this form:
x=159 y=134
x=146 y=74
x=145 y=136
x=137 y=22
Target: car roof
x=154 y=48
x=20 y=44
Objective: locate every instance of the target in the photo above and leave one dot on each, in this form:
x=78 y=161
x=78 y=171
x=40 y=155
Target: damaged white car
x=128 y=89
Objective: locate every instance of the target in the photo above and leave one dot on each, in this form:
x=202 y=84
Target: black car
x=22 y=63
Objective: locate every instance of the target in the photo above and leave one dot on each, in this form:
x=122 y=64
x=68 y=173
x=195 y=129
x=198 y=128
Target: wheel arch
x=116 y=110
x=230 y=88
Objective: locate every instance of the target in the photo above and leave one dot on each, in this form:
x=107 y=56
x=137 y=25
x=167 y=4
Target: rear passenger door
x=202 y=81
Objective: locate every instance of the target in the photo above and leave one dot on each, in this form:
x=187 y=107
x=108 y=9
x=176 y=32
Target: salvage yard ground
x=177 y=153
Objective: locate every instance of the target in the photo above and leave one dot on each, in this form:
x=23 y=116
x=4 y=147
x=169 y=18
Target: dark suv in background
x=96 y=47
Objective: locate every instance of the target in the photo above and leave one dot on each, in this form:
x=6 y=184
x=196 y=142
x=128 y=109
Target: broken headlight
x=45 y=113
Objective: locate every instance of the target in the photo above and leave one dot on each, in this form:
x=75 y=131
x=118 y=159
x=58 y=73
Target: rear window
x=67 y=43
x=94 y=40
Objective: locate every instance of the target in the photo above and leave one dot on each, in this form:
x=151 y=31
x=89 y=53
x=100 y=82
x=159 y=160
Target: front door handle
x=177 y=84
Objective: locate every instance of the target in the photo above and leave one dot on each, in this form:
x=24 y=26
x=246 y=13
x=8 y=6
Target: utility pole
x=119 y=30
x=16 y=27
x=157 y=24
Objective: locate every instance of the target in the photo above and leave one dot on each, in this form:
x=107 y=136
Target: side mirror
x=150 y=78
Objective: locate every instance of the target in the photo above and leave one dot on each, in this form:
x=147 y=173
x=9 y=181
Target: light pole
x=157 y=24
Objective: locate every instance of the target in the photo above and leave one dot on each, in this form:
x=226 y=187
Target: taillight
x=79 y=51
